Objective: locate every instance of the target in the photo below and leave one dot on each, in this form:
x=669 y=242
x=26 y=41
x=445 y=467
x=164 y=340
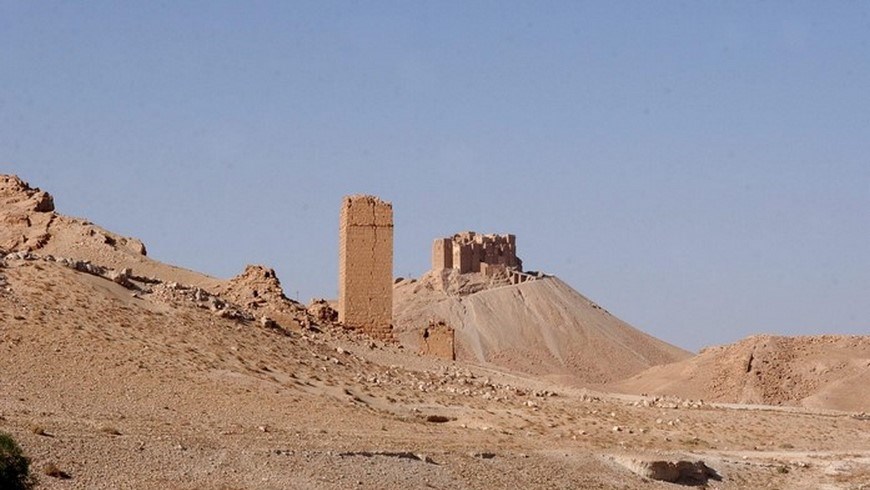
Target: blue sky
x=700 y=169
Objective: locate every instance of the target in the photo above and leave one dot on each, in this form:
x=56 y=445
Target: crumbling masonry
x=469 y=252
x=365 y=276
x=437 y=340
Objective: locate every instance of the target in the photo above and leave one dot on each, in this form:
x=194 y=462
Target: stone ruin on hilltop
x=464 y=263
x=470 y=252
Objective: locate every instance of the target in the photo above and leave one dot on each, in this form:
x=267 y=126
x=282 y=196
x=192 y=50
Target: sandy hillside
x=122 y=379
x=827 y=371
x=541 y=327
x=29 y=223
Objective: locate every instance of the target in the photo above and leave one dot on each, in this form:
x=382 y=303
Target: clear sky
x=701 y=169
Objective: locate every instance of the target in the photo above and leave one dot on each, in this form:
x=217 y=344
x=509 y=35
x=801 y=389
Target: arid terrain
x=541 y=327
x=124 y=372
x=825 y=371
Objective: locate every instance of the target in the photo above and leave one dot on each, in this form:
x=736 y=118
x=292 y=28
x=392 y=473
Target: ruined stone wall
x=473 y=252
x=437 y=340
x=365 y=285
x=462 y=257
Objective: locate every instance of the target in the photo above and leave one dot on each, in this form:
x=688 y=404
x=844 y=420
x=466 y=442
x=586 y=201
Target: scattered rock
x=121 y=276
x=389 y=454
x=682 y=472
x=483 y=455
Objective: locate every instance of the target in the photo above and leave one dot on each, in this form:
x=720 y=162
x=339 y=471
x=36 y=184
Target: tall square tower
x=365 y=265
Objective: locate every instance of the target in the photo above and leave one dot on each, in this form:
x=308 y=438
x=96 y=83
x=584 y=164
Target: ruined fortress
x=473 y=252
x=365 y=275
x=469 y=252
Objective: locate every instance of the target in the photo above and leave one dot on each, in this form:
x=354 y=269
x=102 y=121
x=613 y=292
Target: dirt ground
x=121 y=391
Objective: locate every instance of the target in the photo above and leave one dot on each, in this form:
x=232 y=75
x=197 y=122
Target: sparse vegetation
x=51 y=469
x=108 y=429
x=14 y=465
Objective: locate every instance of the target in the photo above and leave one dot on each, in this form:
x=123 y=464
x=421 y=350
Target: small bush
x=14 y=465
x=108 y=429
x=51 y=469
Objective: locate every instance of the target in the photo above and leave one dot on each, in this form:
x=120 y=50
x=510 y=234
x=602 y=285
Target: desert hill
x=541 y=327
x=118 y=371
x=827 y=371
x=30 y=224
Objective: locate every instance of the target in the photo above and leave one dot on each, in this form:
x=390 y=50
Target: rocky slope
x=827 y=371
x=30 y=224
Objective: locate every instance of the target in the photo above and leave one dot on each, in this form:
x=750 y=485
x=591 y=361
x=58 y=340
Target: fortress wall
x=472 y=252
x=442 y=254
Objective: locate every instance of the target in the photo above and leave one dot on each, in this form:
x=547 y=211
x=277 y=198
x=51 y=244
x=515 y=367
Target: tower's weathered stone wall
x=442 y=254
x=365 y=284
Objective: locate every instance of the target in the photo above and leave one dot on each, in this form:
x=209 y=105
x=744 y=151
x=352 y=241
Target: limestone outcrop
x=29 y=224
x=15 y=192
x=682 y=472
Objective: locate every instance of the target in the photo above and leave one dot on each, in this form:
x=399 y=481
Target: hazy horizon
x=701 y=171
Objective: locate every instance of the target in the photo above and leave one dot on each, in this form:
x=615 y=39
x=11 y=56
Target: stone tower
x=365 y=265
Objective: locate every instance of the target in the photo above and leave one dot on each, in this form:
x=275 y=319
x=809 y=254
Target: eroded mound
x=812 y=371
x=259 y=291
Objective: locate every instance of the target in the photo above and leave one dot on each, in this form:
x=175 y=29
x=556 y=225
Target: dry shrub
x=51 y=469
x=106 y=429
x=14 y=465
